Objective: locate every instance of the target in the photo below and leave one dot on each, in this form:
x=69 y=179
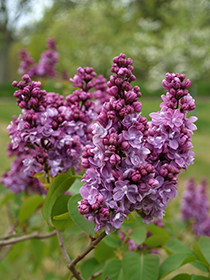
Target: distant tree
x=11 y=12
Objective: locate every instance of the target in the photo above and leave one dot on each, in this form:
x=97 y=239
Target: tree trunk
x=4 y=60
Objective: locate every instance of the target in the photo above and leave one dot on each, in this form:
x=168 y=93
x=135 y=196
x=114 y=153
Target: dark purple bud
x=187 y=83
x=95 y=206
x=22 y=104
x=85 y=162
x=83 y=209
x=136 y=176
x=125 y=145
x=100 y=199
x=14 y=83
x=115 y=159
x=163 y=172
x=137 y=106
x=26 y=78
x=153 y=183
x=104 y=212
x=174 y=181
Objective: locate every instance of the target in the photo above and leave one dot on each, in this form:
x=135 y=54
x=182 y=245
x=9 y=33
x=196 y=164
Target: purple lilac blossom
x=195 y=207
x=136 y=161
x=54 y=128
x=46 y=65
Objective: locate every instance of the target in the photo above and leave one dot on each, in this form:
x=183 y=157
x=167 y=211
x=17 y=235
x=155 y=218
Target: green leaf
x=159 y=236
x=77 y=217
x=139 y=235
x=103 y=252
x=112 y=269
x=59 y=210
x=156 y=230
x=89 y=267
x=29 y=206
x=175 y=261
x=112 y=241
x=60 y=185
x=197 y=251
x=204 y=243
x=200 y=266
x=155 y=241
x=7 y=197
x=182 y=276
x=131 y=219
x=140 y=267
x=198 y=277
x=175 y=246
x=76 y=186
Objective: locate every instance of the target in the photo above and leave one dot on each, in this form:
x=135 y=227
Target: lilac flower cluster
x=17 y=179
x=46 y=65
x=51 y=132
x=132 y=245
x=133 y=163
x=195 y=207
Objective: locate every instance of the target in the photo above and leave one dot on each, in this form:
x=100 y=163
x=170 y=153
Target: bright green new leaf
x=175 y=261
x=112 y=269
x=64 y=216
x=59 y=186
x=140 y=267
x=77 y=217
x=60 y=210
x=29 y=206
x=204 y=243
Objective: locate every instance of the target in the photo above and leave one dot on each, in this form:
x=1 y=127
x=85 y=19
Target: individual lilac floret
x=134 y=163
x=46 y=65
x=195 y=207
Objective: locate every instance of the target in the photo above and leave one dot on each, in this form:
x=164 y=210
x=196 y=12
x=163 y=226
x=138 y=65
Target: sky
x=35 y=15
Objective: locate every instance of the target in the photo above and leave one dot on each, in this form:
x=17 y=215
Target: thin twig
x=35 y=234
x=66 y=257
x=95 y=275
x=87 y=250
x=5 y=252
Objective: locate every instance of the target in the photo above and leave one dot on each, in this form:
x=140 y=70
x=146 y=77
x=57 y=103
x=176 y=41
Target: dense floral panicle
x=134 y=163
x=195 y=207
x=46 y=65
x=55 y=128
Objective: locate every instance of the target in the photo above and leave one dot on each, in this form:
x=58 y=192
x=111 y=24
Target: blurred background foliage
x=160 y=36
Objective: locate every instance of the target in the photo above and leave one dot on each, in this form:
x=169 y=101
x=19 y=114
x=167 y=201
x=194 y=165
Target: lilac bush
x=195 y=207
x=46 y=65
x=133 y=163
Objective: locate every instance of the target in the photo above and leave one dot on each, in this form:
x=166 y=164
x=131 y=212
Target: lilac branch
x=35 y=234
x=66 y=256
x=95 y=275
x=87 y=250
